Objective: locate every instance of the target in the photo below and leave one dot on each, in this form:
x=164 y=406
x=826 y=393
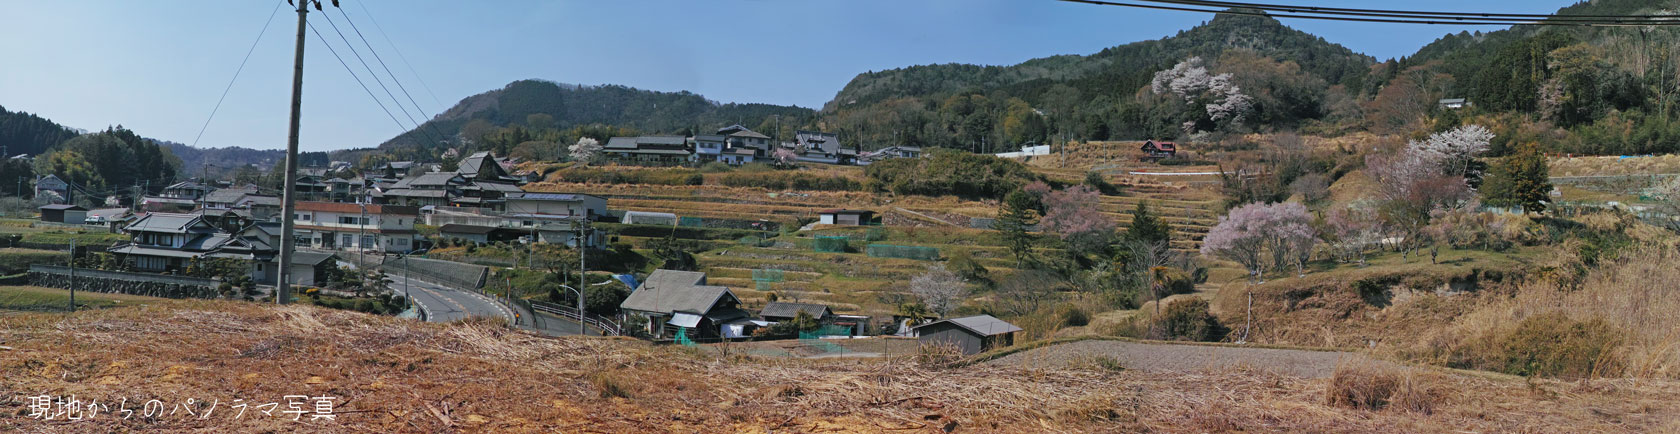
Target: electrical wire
x=236 y=72
x=400 y=55
x=1451 y=21
x=394 y=78
x=358 y=79
x=375 y=75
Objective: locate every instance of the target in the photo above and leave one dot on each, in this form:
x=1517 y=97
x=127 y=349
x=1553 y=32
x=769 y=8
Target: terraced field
x=853 y=282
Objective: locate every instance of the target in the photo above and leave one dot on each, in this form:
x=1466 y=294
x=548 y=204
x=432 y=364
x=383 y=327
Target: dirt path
x=1180 y=358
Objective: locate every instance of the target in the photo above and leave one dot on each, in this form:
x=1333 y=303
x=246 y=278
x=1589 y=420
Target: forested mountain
x=1284 y=72
x=24 y=133
x=545 y=105
x=1601 y=90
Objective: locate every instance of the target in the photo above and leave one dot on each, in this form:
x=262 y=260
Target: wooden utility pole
x=288 y=204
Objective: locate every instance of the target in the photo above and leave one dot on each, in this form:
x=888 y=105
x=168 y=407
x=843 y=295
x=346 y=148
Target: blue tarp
x=629 y=280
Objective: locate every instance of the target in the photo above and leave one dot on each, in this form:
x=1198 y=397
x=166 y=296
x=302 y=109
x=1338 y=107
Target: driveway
x=1179 y=357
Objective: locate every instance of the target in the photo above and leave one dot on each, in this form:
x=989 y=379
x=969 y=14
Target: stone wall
x=150 y=285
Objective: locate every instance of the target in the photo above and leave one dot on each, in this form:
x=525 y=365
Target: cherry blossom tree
x=1223 y=101
x=1351 y=229
x=1250 y=231
x=1073 y=213
x=785 y=157
x=1455 y=149
x=585 y=150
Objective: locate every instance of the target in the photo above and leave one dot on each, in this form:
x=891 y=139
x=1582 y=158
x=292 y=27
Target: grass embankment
x=393 y=375
x=35 y=298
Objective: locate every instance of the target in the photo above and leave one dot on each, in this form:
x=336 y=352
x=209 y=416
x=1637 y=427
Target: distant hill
x=197 y=161
x=569 y=105
x=25 y=133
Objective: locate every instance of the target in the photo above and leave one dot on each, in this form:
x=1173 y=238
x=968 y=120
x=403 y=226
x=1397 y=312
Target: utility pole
x=288 y=203
x=72 y=275
x=583 y=282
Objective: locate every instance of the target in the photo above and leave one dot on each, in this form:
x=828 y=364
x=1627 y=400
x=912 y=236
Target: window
x=352 y=220
x=401 y=242
x=346 y=239
x=303 y=217
x=367 y=242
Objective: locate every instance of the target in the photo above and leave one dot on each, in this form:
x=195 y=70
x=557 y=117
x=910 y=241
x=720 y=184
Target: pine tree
x=1148 y=227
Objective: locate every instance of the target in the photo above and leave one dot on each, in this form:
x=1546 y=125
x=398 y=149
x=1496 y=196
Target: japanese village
x=944 y=216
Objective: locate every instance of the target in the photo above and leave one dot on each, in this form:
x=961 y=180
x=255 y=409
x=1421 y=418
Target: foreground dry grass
x=397 y=376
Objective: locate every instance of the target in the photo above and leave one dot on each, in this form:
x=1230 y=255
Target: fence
x=829 y=244
x=905 y=252
x=764 y=278
x=604 y=324
x=152 y=285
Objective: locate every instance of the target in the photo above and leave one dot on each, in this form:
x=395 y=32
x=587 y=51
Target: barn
x=971 y=334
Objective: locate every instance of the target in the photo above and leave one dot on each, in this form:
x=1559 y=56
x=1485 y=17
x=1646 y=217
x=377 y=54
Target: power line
x=375 y=75
x=236 y=72
x=394 y=78
x=1342 y=17
x=358 y=79
x=400 y=55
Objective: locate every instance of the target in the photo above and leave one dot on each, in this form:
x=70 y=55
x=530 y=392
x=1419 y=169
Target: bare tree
x=940 y=289
x=1026 y=291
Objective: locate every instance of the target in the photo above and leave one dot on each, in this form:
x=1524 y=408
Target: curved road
x=444 y=304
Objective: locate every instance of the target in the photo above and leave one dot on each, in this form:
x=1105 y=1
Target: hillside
x=563 y=106
x=393 y=375
x=214 y=161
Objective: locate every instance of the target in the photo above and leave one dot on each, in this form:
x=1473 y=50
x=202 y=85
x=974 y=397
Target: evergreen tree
x=1017 y=212
x=1147 y=227
x=1520 y=180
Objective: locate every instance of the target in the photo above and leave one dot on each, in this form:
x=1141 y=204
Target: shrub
x=1073 y=316
x=947 y=172
x=1370 y=386
x=612 y=385
x=789 y=180
x=1553 y=345
x=695 y=179
x=1099 y=183
x=1187 y=320
x=715 y=167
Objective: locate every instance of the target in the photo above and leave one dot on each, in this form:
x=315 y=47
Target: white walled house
x=356 y=227
x=557 y=204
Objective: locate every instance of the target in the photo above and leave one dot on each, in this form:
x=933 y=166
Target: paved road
x=443 y=304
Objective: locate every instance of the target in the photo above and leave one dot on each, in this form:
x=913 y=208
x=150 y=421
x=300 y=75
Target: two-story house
x=358 y=227
x=435 y=188
x=739 y=137
x=707 y=148
x=658 y=150
x=820 y=147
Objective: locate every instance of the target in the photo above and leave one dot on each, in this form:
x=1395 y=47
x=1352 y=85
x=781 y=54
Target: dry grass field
x=392 y=375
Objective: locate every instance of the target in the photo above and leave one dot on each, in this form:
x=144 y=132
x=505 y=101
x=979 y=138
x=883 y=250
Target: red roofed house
x=1153 y=150
x=358 y=227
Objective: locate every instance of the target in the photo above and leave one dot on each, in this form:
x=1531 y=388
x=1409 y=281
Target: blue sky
x=158 y=67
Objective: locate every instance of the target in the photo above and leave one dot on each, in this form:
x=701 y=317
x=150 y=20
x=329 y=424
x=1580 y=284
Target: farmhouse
x=476 y=234
x=51 y=183
x=971 y=334
x=851 y=217
x=680 y=302
x=1453 y=103
x=60 y=213
x=739 y=137
x=1153 y=150
x=170 y=242
x=657 y=150
x=707 y=148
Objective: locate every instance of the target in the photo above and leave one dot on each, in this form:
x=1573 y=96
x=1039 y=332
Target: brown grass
x=397 y=376
x=1364 y=384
